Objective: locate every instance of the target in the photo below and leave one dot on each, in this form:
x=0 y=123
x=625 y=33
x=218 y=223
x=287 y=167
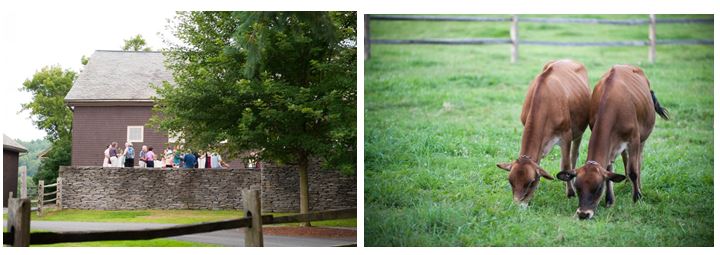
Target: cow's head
x=524 y=178
x=589 y=183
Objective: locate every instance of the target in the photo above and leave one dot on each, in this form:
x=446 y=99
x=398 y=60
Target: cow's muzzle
x=584 y=214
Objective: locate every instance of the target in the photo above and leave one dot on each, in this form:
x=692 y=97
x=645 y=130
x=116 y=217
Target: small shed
x=11 y=159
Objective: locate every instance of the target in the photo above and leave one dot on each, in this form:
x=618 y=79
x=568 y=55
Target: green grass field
x=438 y=119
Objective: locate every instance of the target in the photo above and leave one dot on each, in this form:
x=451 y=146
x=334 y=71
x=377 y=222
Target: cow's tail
x=658 y=108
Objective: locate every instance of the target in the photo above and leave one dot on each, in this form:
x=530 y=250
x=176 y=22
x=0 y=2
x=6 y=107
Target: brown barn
x=11 y=158
x=112 y=101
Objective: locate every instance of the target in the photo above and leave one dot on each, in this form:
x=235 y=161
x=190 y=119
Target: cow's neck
x=534 y=137
x=601 y=141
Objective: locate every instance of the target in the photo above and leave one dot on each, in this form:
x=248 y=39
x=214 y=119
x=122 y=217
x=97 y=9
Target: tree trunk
x=304 y=198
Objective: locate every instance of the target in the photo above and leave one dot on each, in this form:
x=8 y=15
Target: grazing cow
x=555 y=111
x=622 y=116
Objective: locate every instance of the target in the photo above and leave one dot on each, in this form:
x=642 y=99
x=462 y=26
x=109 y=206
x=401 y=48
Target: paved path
x=231 y=237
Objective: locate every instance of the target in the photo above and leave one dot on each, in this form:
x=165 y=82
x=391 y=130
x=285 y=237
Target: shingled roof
x=119 y=76
x=10 y=144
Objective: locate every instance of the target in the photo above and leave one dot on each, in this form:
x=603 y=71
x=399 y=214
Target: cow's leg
x=640 y=162
x=575 y=150
x=625 y=161
x=635 y=150
x=566 y=162
x=609 y=192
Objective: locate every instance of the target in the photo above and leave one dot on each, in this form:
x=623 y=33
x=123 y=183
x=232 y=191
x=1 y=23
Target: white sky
x=32 y=39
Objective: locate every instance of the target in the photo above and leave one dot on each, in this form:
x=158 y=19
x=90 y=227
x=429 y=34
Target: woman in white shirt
x=106 y=160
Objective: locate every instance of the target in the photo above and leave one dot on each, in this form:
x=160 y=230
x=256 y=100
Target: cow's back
x=561 y=92
x=623 y=94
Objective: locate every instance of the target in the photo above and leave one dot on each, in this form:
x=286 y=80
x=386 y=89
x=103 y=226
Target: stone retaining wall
x=327 y=189
x=100 y=188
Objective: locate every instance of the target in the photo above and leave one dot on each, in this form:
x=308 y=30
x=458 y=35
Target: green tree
x=49 y=113
x=280 y=83
x=30 y=159
x=59 y=155
x=136 y=43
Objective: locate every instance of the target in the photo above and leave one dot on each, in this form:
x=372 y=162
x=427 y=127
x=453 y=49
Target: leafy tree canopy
x=59 y=155
x=136 y=43
x=49 y=113
x=283 y=83
x=48 y=110
x=30 y=159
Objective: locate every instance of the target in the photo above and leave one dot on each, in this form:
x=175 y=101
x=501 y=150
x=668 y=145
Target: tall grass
x=438 y=119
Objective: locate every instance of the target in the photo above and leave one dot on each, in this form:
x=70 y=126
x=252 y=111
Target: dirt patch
x=310 y=232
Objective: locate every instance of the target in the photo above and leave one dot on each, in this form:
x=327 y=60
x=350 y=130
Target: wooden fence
x=515 y=40
x=23 y=181
x=42 y=203
x=19 y=225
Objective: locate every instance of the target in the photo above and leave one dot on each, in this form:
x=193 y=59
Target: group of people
x=116 y=157
x=171 y=158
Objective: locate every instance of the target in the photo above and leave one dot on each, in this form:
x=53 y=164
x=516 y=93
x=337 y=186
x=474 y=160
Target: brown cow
x=622 y=116
x=555 y=112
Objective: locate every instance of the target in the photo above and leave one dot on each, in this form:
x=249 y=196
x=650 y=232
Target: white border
x=384 y=6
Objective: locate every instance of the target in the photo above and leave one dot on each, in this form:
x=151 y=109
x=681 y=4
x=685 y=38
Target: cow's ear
x=565 y=175
x=504 y=166
x=544 y=174
x=614 y=177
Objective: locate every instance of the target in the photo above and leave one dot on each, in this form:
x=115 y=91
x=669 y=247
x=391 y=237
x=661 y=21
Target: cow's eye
x=599 y=188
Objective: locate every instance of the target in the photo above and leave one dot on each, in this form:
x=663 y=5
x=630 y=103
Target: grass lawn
x=438 y=119
x=164 y=216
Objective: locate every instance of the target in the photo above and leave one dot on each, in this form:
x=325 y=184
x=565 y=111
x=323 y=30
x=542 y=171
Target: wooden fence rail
x=627 y=22
x=41 y=202
x=515 y=41
x=20 y=236
x=478 y=41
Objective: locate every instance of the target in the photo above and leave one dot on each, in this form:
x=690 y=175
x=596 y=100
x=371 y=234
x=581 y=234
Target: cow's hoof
x=637 y=196
x=609 y=204
x=570 y=194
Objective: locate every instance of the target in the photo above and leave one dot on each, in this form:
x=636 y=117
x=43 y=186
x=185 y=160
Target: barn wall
x=94 y=127
x=10 y=174
x=134 y=188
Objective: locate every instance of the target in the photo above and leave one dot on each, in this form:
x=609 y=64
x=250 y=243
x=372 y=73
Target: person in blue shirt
x=189 y=159
x=177 y=157
x=129 y=155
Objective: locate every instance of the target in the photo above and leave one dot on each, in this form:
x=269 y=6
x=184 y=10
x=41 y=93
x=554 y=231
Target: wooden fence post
x=19 y=221
x=23 y=179
x=58 y=194
x=514 y=39
x=367 y=35
x=41 y=197
x=251 y=205
x=651 y=36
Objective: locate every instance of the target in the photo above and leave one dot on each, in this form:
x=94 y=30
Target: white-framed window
x=135 y=134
